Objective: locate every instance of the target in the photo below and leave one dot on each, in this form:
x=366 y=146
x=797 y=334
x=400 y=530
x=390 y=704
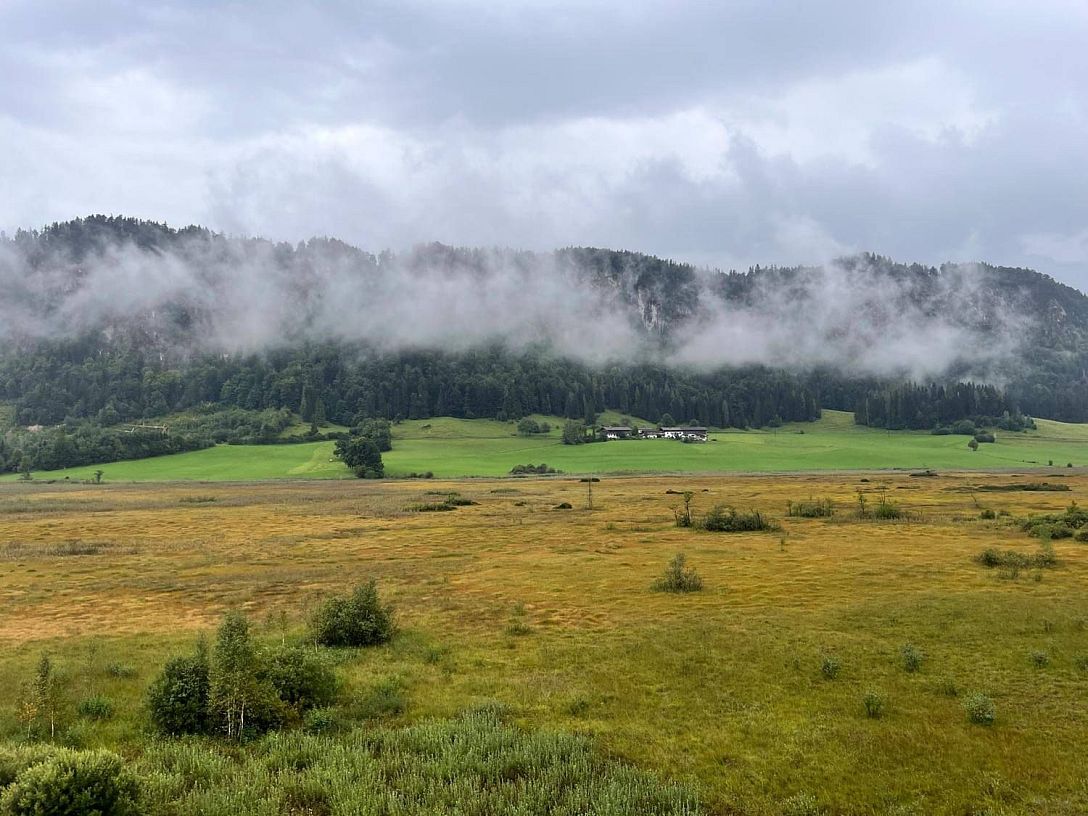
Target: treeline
x=78 y=442
x=91 y=378
x=88 y=443
x=919 y=407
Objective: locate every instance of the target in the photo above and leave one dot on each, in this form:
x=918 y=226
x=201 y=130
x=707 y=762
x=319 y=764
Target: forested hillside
x=106 y=320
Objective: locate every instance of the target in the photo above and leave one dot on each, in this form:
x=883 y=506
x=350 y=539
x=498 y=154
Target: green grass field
x=453 y=448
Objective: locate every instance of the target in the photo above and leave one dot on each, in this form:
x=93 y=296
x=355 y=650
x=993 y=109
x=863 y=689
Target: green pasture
x=459 y=447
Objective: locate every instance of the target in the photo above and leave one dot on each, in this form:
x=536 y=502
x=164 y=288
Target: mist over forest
x=108 y=319
x=194 y=291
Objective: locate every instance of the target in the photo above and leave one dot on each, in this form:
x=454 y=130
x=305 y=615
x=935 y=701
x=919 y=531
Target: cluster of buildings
x=685 y=433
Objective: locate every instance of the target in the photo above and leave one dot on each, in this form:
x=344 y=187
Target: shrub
x=1057 y=525
x=1081 y=663
x=96 y=707
x=987 y=515
x=430 y=507
x=540 y=470
x=528 y=426
x=178 y=697
x=818 y=508
x=964 y=427
x=874 y=704
x=985 y=437
x=678 y=577
x=301 y=678
x=912 y=658
x=564 y=506
x=980 y=709
x=883 y=509
x=886 y=510
x=830 y=667
x=1014 y=561
x=73 y=783
x=1082 y=536
x=722 y=519
x=358 y=619
x=1040 y=660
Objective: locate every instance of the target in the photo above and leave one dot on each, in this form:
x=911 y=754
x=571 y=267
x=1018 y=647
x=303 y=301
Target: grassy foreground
x=453 y=448
x=549 y=613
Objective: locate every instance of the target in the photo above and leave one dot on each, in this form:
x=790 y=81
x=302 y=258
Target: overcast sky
x=723 y=133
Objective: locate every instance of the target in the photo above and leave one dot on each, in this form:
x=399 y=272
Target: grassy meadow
x=548 y=615
x=454 y=448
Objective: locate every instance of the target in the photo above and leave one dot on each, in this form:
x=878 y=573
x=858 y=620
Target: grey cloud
x=725 y=134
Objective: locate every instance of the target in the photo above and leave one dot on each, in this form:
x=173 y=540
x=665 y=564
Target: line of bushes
x=238 y=690
x=1073 y=523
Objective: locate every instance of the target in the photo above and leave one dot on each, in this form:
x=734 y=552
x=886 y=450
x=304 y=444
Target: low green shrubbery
x=830 y=667
x=678 y=577
x=980 y=709
x=474 y=763
x=1057 y=525
x=1011 y=559
x=70 y=783
x=912 y=658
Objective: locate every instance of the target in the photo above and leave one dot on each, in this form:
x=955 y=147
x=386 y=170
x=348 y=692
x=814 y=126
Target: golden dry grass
x=722 y=687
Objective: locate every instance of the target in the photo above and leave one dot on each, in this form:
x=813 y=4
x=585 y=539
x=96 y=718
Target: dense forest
x=109 y=320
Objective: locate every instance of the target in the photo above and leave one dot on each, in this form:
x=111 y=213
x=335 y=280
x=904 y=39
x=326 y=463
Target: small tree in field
x=240 y=697
x=683 y=517
x=361 y=454
x=41 y=699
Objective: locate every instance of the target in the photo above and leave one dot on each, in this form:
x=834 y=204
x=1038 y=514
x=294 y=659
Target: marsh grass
x=721 y=688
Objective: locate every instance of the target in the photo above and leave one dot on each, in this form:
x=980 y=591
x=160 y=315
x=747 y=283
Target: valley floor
x=550 y=613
